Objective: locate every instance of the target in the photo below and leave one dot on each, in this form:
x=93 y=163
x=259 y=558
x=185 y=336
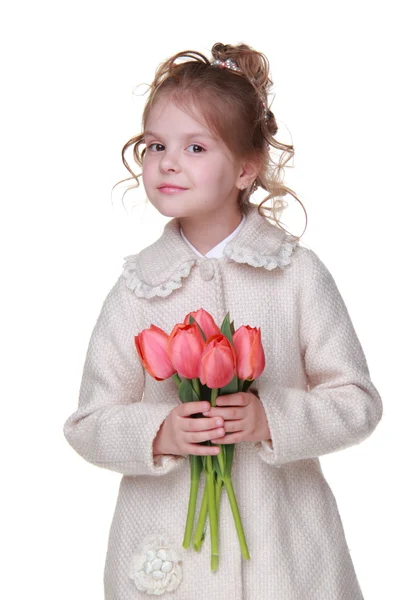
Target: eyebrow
x=193 y=134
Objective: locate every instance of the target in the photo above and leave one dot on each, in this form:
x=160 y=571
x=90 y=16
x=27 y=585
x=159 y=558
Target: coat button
x=206 y=270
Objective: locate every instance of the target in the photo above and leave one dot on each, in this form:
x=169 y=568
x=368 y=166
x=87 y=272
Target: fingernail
x=207 y=413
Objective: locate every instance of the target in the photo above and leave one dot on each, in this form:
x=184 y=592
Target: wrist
x=266 y=434
x=159 y=447
x=157 y=442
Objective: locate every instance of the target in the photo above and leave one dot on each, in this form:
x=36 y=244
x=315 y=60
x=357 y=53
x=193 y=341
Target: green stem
x=195 y=472
x=200 y=529
x=218 y=490
x=196 y=467
x=196 y=387
x=177 y=379
x=236 y=516
x=220 y=455
x=212 y=513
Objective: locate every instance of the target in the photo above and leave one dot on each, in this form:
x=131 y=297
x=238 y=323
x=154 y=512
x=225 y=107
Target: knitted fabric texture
x=318 y=398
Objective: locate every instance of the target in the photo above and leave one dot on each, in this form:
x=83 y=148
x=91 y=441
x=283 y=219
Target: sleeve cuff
x=266 y=451
x=160 y=460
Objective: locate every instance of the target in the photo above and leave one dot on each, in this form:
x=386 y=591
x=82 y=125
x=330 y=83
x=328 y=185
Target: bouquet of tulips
x=206 y=361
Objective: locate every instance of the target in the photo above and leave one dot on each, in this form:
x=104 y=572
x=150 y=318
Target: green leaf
x=230 y=388
x=195 y=396
x=193 y=320
x=185 y=391
x=226 y=328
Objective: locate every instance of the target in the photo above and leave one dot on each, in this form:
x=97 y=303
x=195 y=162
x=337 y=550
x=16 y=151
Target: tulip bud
x=218 y=362
x=205 y=320
x=249 y=352
x=151 y=347
x=184 y=347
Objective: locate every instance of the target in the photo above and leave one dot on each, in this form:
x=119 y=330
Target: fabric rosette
x=206 y=361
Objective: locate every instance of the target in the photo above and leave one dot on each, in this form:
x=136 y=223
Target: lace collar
x=159 y=269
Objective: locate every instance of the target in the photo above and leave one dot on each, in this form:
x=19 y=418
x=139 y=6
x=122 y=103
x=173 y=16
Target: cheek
x=210 y=174
x=145 y=166
x=147 y=170
x=218 y=179
x=202 y=176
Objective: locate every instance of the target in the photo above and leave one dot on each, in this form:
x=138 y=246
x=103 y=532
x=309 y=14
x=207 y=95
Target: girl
x=208 y=134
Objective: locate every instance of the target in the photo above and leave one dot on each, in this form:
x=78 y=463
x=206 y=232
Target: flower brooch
x=156 y=568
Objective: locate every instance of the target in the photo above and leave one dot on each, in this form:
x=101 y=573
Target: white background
x=68 y=71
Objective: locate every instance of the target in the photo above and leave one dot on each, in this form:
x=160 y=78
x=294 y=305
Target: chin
x=167 y=209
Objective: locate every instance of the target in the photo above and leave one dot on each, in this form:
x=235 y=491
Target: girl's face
x=187 y=171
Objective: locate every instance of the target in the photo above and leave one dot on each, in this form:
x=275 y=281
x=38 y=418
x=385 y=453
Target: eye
x=155 y=144
x=197 y=149
x=196 y=146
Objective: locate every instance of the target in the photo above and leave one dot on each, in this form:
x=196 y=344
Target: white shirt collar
x=217 y=251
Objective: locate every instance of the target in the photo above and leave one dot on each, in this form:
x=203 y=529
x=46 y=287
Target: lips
x=170 y=186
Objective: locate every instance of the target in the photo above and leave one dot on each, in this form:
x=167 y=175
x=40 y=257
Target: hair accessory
x=230 y=64
x=266 y=111
x=226 y=64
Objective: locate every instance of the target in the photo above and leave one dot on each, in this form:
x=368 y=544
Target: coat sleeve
x=112 y=428
x=341 y=406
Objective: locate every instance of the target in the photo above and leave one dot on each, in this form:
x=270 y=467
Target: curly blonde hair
x=226 y=97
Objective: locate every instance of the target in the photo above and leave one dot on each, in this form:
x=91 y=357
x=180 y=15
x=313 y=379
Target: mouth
x=171 y=189
x=171 y=185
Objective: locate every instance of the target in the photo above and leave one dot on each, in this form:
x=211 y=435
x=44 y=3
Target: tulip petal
x=185 y=347
x=151 y=347
x=218 y=363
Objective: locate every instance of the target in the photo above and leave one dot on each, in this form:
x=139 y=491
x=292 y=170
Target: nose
x=169 y=162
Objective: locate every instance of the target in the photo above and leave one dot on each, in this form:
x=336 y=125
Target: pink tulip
x=205 y=320
x=218 y=362
x=184 y=347
x=151 y=345
x=249 y=352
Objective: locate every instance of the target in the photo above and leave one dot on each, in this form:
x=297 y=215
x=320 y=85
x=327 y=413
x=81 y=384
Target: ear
x=247 y=174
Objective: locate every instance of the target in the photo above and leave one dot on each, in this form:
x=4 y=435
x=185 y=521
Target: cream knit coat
x=317 y=394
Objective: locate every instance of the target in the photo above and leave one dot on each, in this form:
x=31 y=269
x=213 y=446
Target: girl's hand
x=244 y=417
x=180 y=433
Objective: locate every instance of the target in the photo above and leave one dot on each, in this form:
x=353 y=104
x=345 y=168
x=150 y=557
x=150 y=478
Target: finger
x=192 y=408
x=203 y=424
x=238 y=399
x=199 y=450
x=228 y=414
x=230 y=438
x=234 y=426
x=204 y=436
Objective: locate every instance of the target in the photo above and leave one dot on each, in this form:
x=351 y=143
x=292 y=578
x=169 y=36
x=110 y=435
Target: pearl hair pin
x=226 y=64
